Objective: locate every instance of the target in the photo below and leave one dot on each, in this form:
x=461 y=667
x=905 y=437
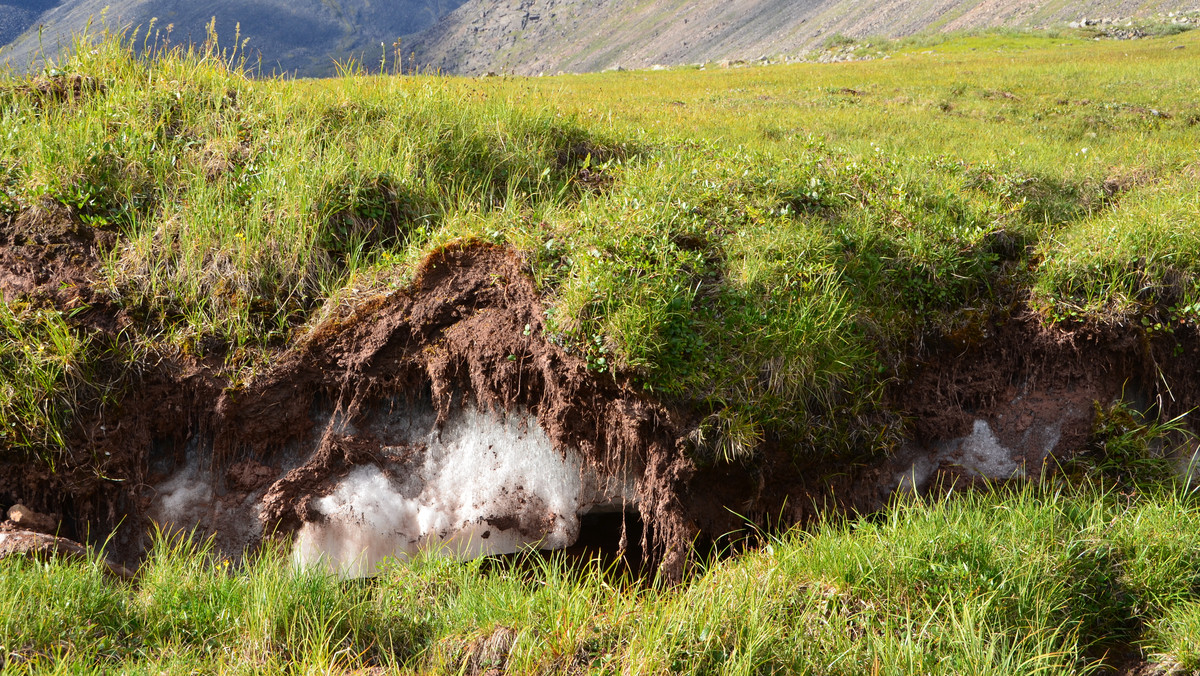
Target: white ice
x=487 y=484
x=980 y=454
x=984 y=455
x=185 y=499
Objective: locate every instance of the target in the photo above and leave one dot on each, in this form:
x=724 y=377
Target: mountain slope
x=16 y=16
x=300 y=36
x=533 y=36
x=528 y=37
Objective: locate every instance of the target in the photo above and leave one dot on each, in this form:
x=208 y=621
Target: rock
x=30 y=544
x=28 y=519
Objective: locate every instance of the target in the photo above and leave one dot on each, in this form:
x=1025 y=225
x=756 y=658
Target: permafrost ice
x=485 y=484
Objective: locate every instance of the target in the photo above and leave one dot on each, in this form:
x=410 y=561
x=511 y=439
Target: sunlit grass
x=41 y=376
x=1043 y=579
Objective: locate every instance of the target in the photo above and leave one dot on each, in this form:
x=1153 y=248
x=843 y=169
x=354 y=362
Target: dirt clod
x=250 y=475
x=28 y=519
x=44 y=252
x=15 y=541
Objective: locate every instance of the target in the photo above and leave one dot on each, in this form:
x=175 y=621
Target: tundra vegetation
x=763 y=245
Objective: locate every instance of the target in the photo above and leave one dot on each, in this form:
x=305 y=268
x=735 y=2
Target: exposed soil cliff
x=442 y=416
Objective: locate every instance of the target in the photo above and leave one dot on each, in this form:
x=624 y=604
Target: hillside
x=528 y=37
x=301 y=36
x=16 y=16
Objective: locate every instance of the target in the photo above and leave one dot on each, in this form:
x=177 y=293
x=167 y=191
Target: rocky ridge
x=531 y=37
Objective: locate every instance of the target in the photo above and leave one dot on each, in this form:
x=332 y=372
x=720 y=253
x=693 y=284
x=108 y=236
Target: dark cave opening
x=600 y=538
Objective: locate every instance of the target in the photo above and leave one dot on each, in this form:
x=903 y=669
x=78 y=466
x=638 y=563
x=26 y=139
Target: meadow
x=766 y=246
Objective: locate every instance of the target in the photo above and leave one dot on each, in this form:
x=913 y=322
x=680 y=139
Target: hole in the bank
x=600 y=537
x=599 y=541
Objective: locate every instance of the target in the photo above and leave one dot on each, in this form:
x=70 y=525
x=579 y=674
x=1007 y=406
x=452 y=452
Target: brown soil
x=48 y=258
x=45 y=90
x=1035 y=384
x=1017 y=373
x=45 y=253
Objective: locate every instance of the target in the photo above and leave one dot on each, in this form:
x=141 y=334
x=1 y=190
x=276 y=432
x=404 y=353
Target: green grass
x=1045 y=579
x=188 y=610
x=762 y=246
x=1139 y=261
x=1179 y=634
x=40 y=377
